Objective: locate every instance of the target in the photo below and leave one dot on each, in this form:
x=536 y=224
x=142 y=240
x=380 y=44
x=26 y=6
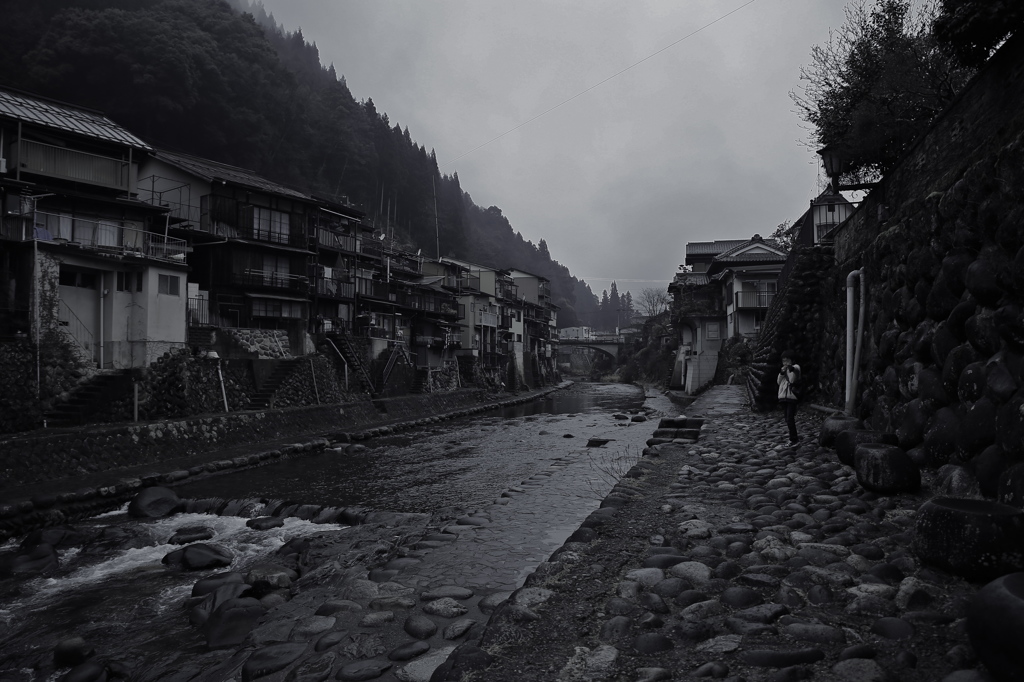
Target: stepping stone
x=409 y=650
x=363 y=670
x=419 y=626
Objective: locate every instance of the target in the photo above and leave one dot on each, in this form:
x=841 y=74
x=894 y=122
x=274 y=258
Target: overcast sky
x=699 y=141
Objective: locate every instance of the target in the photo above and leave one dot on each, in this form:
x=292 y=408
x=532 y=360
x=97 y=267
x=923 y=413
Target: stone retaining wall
x=47 y=456
x=941 y=243
x=161 y=444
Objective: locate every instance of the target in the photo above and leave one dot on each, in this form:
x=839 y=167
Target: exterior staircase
x=419 y=382
x=344 y=344
x=88 y=399
x=264 y=397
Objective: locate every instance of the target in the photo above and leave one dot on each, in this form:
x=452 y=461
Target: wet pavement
x=742 y=558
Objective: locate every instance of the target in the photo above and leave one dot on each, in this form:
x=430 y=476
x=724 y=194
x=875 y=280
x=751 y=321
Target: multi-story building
x=724 y=291
x=80 y=254
x=540 y=328
x=252 y=244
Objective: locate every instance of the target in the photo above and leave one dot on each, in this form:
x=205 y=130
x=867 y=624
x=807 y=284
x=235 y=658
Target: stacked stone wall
x=45 y=456
x=260 y=343
x=314 y=382
x=794 y=322
x=940 y=241
x=23 y=399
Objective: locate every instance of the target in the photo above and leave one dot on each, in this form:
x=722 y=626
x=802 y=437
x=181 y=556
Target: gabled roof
x=712 y=248
x=755 y=249
x=64 y=117
x=214 y=170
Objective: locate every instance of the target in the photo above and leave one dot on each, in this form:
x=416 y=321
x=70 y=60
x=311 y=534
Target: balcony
x=68 y=164
x=271 y=279
x=90 y=234
x=335 y=287
x=487 y=319
x=754 y=299
x=339 y=242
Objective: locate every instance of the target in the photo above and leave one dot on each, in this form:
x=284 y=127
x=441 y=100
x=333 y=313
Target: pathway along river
x=112 y=590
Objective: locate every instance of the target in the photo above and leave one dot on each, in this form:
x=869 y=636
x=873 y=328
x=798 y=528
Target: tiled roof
x=213 y=170
x=747 y=257
x=697 y=278
x=734 y=252
x=711 y=248
x=65 y=117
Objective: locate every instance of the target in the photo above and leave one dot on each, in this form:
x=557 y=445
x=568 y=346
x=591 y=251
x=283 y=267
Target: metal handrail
x=75 y=327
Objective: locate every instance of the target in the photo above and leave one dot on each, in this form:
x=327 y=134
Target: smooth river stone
x=420 y=626
x=445 y=607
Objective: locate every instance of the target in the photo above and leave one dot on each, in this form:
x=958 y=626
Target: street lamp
x=832 y=159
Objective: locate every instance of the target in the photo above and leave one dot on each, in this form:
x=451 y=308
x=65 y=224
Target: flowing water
x=124 y=599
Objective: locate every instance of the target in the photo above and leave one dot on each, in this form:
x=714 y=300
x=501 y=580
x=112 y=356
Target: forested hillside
x=202 y=77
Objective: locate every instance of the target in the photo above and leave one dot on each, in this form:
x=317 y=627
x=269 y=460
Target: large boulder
x=201 y=612
x=154 y=503
x=232 y=622
x=198 y=557
x=833 y=426
x=995 y=625
x=846 y=442
x=975 y=539
x=39 y=560
x=886 y=469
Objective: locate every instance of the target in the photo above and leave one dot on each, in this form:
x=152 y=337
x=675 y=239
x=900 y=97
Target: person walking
x=789 y=381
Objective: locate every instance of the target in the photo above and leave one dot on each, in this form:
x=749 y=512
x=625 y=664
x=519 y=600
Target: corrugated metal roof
x=65 y=117
x=210 y=170
x=711 y=248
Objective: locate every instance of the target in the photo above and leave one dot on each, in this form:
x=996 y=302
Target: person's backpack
x=795 y=386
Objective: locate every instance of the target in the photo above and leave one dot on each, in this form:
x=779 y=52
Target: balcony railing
x=74 y=326
x=199 y=312
x=270 y=278
x=97 y=235
x=341 y=242
x=335 y=288
x=754 y=299
x=487 y=319
x=68 y=164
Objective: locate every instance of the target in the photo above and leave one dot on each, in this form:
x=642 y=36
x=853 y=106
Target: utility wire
x=600 y=83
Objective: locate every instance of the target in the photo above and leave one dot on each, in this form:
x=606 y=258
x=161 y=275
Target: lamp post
x=832 y=160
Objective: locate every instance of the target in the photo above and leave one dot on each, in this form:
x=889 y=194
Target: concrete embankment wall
x=49 y=455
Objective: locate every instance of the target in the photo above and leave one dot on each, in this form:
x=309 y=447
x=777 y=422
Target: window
x=263 y=307
x=168 y=284
x=126 y=281
x=75 y=278
x=271 y=225
x=713 y=331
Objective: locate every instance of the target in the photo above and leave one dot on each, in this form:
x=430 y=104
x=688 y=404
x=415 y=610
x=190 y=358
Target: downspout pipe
x=854 y=341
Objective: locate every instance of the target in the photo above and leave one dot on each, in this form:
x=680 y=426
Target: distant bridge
x=607 y=346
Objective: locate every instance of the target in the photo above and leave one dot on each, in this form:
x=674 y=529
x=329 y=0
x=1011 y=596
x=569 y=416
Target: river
x=127 y=604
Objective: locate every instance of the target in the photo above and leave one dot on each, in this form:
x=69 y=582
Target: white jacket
x=786 y=380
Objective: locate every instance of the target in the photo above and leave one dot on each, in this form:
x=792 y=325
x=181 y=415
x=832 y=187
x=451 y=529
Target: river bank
x=384 y=564
x=737 y=557
x=56 y=477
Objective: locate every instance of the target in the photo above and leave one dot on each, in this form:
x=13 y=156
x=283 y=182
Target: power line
x=600 y=83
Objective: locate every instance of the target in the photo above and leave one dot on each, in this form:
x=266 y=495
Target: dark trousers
x=789 y=406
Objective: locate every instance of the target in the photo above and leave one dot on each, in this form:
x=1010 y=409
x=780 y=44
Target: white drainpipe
x=852 y=355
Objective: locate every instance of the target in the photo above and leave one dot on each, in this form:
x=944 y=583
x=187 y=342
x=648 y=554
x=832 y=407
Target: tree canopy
x=877 y=83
